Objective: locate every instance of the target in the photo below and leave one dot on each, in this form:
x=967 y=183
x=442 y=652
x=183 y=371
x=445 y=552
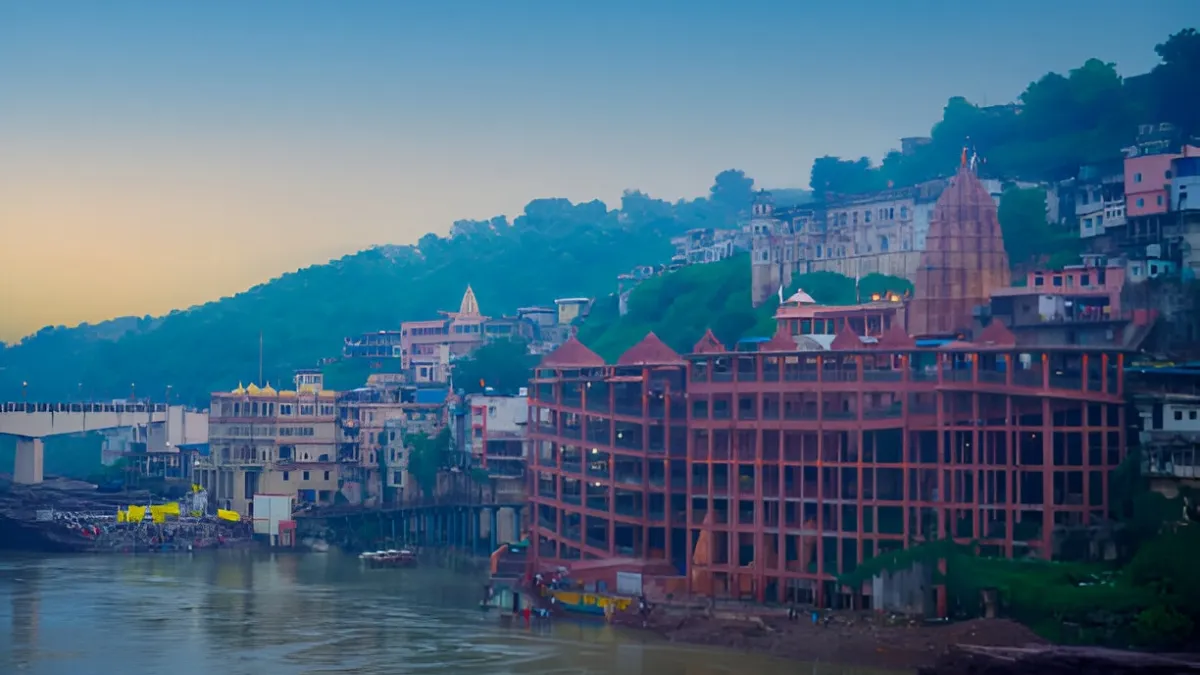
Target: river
x=243 y=613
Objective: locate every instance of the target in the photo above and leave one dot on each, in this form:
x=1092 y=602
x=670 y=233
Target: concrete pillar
x=27 y=468
x=492 y=531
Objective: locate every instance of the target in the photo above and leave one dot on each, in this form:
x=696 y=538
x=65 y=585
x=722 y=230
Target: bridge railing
x=29 y=407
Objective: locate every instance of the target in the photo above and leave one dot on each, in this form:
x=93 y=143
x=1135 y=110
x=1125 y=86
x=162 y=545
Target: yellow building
x=267 y=441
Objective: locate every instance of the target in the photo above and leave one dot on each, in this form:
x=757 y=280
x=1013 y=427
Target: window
x=1178 y=414
x=1085 y=280
x=903 y=212
x=286 y=475
x=1039 y=281
x=1167 y=174
x=866 y=216
x=326 y=475
x=305 y=475
x=1141 y=202
x=1191 y=414
x=1058 y=281
x=1159 y=200
x=1137 y=177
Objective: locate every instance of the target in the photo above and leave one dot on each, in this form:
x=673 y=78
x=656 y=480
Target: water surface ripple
x=242 y=613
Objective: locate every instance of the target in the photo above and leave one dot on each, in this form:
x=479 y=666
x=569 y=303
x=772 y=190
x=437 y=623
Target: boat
x=391 y=558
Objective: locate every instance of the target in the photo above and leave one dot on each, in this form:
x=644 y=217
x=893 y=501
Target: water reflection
x=241 y=612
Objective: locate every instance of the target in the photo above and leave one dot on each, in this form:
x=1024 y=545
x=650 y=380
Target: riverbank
x=860 y=639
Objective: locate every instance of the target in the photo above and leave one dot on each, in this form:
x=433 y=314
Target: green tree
x=502 y=365
x=1176 y=81
x=427 y=456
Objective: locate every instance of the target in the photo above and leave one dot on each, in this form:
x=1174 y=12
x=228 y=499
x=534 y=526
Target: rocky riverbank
x=1047 y=660
x=851 y=639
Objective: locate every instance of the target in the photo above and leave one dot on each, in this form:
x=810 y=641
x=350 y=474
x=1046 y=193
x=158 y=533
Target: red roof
x=996 y=334
x=651 y=351
x=572 y=354
x=896 y=338
x=846 y=339
x=782 y=341
x=709 y=344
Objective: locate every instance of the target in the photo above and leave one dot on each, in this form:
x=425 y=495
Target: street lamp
x=24 y=392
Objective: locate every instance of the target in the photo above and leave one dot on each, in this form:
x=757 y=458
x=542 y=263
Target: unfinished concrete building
x=765 y=475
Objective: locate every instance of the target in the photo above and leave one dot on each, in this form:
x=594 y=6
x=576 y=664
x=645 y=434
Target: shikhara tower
x=964 y=258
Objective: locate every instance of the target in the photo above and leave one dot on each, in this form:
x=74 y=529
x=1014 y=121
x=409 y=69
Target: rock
x=1049 y=660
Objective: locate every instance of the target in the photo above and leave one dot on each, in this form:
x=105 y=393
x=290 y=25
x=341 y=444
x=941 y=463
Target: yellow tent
x=158 y=516
x=121 y=516
x=231 y=516
x=136 y=514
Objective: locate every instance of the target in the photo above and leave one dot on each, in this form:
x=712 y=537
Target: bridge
x=30 y=423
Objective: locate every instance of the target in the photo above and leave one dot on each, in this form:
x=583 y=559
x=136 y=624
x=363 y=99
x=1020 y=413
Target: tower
x=964 y=258
x=766 y=259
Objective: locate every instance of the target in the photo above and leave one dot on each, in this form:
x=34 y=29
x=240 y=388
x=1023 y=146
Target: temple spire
x=469 y=306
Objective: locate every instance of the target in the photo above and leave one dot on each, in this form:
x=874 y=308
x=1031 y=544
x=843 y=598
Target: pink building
x=1148 y=182
x=427 y=347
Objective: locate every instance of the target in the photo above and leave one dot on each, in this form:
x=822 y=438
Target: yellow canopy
x=231 y=516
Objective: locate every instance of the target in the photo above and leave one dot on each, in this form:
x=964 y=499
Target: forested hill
x=557 y=248
x=1059 y=122
x=554 y=249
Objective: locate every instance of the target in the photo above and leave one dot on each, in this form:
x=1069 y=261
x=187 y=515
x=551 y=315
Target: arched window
x=883 y=243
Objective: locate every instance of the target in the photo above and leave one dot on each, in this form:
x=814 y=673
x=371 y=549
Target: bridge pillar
x=28 y=467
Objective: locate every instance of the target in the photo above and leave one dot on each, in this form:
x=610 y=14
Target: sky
x=158 y=155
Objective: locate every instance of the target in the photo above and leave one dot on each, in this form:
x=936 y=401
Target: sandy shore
x=850 y=639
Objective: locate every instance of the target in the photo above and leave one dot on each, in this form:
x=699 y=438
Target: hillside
x=681 y=305
x=1059 y=122
x=554 y=249
x=557 y=248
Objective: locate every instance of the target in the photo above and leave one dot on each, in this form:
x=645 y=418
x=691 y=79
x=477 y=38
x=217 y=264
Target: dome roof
x=800 y=298
x=709 y=344
x=572 y=354
x=253 y=389
x=240 y=390
x=650 y=351
x=269 y=390
x=996 y=334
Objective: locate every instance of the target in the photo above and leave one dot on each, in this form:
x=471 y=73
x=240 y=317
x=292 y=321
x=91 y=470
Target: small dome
x=800 y=298
x=240 y=390
x=253 y=389
x=269 y=390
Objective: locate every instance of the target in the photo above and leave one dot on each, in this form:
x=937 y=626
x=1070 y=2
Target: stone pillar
x=27 y=468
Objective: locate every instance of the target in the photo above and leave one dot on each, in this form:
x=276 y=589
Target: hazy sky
x=155 y=155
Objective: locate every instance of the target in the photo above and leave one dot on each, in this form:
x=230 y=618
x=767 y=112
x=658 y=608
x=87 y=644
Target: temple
x=772 y=470
x=964 y=259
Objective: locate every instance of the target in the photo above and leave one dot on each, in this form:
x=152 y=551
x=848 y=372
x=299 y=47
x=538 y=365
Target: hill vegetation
x=679 y=306
x=1060 y=122
x=558 y=248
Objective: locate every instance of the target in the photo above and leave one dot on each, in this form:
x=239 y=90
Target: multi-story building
x=368 y=421
x=377 y=346
x=766 y=475
x=497 y=441
x=428 y=347
x=272 y=442
x=1099 y=198
x=853 y=235
x=707 y=245
x=1167 y=398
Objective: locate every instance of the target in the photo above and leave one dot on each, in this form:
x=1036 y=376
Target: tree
x=1028 y=237
x=733 y=191
x=501 y=365
x=426 y=457
x=1177 y=81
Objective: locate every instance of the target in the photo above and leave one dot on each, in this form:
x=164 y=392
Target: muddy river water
x=241 y=613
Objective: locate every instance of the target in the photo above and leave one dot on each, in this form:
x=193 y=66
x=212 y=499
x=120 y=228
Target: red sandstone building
x=767 y=474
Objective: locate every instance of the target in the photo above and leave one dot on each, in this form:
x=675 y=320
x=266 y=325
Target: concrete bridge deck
x=32 y=422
